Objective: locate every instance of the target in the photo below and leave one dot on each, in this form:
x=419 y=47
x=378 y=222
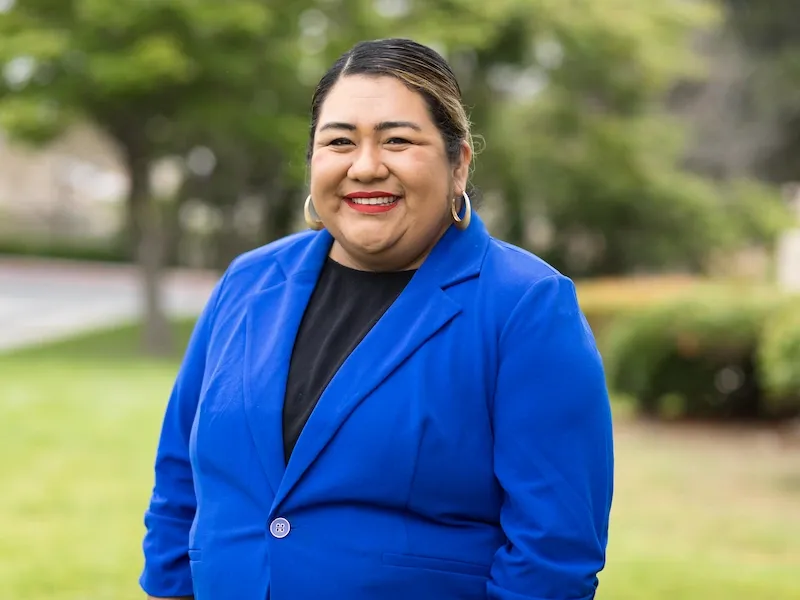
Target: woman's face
x=380 y=178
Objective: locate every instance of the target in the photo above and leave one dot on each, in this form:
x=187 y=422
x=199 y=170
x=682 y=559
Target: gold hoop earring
x=461 y=222
x=312 y=221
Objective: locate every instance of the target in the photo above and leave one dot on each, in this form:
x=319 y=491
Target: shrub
x=779 y=359
x=63 y=249
x=603 y=301
x=692 y=356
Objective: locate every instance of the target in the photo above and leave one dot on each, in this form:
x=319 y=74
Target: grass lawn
x=699 y=515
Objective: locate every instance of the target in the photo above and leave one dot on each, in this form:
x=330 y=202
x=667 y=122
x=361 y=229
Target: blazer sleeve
x=172 y=505
x=553 y=450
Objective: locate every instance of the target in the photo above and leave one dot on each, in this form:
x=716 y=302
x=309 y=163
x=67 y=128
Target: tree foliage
x=156 y=76
x=769 y=31
x=579 y=158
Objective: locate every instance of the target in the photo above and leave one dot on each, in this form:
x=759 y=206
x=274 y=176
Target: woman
x=393 y=405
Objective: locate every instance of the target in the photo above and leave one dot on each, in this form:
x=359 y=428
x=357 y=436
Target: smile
x=382 y=200
x=371 y=206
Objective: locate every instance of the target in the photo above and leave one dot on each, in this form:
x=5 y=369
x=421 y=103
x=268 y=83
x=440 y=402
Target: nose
x=367 y=164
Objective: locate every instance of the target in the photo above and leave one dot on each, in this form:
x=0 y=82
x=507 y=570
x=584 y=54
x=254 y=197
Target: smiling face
x=381 y=180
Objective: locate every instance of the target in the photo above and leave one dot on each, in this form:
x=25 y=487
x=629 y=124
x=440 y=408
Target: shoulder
x=253 y=262
x=258 y=268
x=537 y=305
x=510 y=266
x=517 y=277
x=523 y=298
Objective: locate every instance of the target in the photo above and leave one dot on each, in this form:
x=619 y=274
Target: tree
x=145 y=72
x=769 y=32
x=569 y=94
x=163 y=76
x=590 y=166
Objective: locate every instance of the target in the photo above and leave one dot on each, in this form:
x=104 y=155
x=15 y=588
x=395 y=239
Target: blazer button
x=280 y=528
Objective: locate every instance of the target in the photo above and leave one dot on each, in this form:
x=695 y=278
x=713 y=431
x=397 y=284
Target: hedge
x=779 y=358
x=707 y=353
x=63 y=249
x=603 y=301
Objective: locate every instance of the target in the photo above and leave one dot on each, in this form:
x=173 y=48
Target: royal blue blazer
x=462 y=452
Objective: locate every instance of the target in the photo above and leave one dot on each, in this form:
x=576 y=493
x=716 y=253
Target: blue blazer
x=463 y=450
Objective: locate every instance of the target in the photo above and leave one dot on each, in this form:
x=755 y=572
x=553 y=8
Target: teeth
x=375 y=201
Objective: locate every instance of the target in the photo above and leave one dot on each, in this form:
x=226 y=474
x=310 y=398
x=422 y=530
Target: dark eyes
x=395 y=141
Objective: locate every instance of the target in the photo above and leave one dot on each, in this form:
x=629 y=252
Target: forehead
x=360 y=99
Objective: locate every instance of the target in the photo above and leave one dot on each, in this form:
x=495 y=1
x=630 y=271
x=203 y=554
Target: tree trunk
x=172 y=232
x=281 y=208
x=227 y=242
x=515 y=215
x=146 y=222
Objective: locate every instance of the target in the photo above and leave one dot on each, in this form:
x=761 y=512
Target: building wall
x=72 y=187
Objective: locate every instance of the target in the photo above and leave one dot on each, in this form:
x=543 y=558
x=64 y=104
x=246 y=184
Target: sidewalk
x=48 y=300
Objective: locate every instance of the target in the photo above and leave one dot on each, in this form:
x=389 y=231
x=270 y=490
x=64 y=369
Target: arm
x=553 y=450
x=170 y=513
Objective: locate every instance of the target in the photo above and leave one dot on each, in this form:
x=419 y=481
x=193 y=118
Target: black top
x=344 y=306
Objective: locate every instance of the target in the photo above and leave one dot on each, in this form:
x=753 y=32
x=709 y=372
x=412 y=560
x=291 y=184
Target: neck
x=388 y=260
x=377 y=263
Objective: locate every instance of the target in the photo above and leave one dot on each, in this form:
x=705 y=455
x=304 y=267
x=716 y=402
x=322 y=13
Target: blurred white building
x=71 y=188
x=787 y=264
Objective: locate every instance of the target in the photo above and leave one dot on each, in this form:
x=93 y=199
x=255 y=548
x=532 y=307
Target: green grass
x=117 y=344
x=699 y=515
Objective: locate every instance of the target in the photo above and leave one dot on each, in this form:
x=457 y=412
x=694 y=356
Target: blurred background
x=649 y=150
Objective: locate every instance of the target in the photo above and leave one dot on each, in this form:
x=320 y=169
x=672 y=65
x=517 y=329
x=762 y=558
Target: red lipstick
x=381 y=201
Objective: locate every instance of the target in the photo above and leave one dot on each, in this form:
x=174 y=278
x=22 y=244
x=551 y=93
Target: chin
x=372 y=240
x=369 y=246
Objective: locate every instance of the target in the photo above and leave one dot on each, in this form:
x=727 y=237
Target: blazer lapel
x=273 y=319
x=420 y=311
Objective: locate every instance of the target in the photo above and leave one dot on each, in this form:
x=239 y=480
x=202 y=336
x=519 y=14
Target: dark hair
x=421 y=68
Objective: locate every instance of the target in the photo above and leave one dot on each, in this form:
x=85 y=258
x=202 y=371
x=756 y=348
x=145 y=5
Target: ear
x=461 y=170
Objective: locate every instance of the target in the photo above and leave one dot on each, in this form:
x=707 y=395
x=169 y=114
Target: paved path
x=43 y=301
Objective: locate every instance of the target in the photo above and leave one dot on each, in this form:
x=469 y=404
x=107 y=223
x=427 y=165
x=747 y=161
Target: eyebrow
x=383 y=126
